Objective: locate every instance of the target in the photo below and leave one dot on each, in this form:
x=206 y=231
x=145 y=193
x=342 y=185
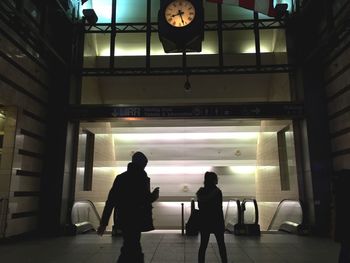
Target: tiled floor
x=169 y=247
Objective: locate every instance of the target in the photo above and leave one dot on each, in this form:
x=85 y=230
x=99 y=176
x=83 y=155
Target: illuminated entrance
x=254 y=158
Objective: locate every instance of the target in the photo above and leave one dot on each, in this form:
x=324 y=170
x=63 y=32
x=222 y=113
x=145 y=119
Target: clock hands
x=179 y=13
x=181 y=17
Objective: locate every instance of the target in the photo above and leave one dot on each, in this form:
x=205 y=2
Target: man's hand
x=101 y=230
x=155 y=194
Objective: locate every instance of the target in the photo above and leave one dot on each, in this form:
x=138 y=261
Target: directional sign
x=252 y=110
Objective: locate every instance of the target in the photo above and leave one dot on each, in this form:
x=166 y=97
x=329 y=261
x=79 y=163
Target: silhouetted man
x=131 y=197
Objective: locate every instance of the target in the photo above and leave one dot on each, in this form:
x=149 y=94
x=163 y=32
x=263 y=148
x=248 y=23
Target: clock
x=181 y=25
x=180 y=13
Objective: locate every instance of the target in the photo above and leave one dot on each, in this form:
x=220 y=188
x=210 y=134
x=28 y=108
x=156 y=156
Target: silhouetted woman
x=211 y=216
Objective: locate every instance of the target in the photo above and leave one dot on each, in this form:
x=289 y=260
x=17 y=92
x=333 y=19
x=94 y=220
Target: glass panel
x=155 y=5
x=131 y=11
x=130 y=50
x=102 y=8
x=96 y=50
x=238 y=42
x=204 y=60
x=130 y=44
x=210 y=11
x=231 y=12
x=156 y=45
x=273 y=46
x=210 y=43
x=208 y=56
x=239 y=47
x=159 y=58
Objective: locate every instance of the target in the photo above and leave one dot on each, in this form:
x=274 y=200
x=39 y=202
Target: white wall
x=169 y=90
x=268 y=180
x=177 y=166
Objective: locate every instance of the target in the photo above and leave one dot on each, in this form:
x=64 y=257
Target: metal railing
x=85 y=211
x=232 y=214
x=288 y=212
x=250 y=211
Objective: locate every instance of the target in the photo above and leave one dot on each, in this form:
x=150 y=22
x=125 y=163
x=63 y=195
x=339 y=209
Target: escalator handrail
x=91 y=205
x=279 y=207
x=239 y=210
x=255 y=208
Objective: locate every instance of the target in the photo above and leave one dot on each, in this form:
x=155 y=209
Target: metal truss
x=218 y=26
x=148 y=27
x=226 y=25
x=120 y=28
x=240 y=69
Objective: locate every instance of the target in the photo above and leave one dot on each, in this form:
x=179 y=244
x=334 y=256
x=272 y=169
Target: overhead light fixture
x=185 y=136
x=282 y=10
x=187 y=85
x=158 y=170
x=243 y=169
x=90 y=16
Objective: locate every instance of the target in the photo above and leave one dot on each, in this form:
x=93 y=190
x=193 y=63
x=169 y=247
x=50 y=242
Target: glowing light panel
x=243 y=169
x=184 y=136
x=154 y=170
x=103 y=10
x=140 y=51
x=251 y=49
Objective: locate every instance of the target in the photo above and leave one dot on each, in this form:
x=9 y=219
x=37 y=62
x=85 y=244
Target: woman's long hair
x=210 y=180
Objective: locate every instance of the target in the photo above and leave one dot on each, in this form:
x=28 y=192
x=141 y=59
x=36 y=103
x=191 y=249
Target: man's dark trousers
x=131 y=251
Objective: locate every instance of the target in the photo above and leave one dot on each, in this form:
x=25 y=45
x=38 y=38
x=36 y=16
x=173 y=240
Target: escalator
x=288 y=218
x=232 y=215
x=249 y=219
x=84 y=217
x=242 y=218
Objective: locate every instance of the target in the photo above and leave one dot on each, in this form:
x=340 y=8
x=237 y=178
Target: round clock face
x=180 y=13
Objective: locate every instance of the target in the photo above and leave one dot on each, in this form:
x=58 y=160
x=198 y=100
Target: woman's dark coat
x=210 y=210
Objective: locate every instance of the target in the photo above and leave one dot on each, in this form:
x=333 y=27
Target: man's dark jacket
x=131 y=197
